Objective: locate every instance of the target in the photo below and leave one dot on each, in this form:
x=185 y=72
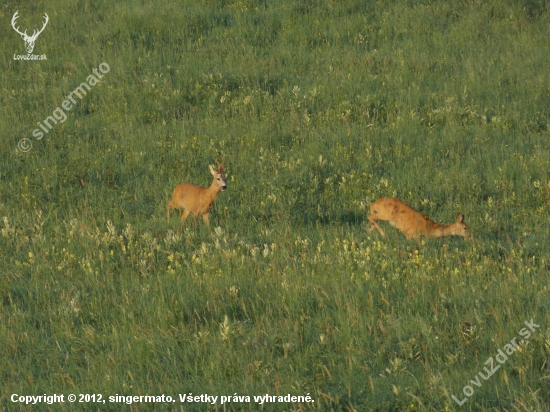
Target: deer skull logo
x=29 y=40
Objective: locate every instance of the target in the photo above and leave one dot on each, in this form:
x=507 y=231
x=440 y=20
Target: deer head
x=29 y=40
x=219 y=175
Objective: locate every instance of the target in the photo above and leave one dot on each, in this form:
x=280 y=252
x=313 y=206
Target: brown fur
x=197 y=199
x=410 y=222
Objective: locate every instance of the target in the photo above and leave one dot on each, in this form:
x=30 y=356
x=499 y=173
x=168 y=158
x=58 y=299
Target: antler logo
x=29 y=40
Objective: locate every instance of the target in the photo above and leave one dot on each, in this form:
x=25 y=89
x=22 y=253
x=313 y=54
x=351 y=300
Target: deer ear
x=460 y=218
x=212 y=170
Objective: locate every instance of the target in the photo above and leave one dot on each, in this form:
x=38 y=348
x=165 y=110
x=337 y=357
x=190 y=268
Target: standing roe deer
x=197 y=199
x=410 y=222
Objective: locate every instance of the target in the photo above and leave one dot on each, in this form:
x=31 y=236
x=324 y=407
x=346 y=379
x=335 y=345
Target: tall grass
x=318 y=109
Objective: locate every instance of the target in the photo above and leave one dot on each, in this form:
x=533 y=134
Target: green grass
x=318 y=109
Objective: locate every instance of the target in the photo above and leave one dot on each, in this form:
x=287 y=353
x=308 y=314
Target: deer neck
x=212 y=190
x=437 y=230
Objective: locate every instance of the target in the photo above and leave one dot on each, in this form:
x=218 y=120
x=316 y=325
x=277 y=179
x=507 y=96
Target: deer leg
x=374 y=225
x=206 y=219
x=184 y=215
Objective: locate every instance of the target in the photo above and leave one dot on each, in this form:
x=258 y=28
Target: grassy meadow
x=318 y=108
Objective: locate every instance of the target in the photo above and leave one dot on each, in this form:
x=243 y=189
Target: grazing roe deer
x=197 y=199
x=410 y=222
